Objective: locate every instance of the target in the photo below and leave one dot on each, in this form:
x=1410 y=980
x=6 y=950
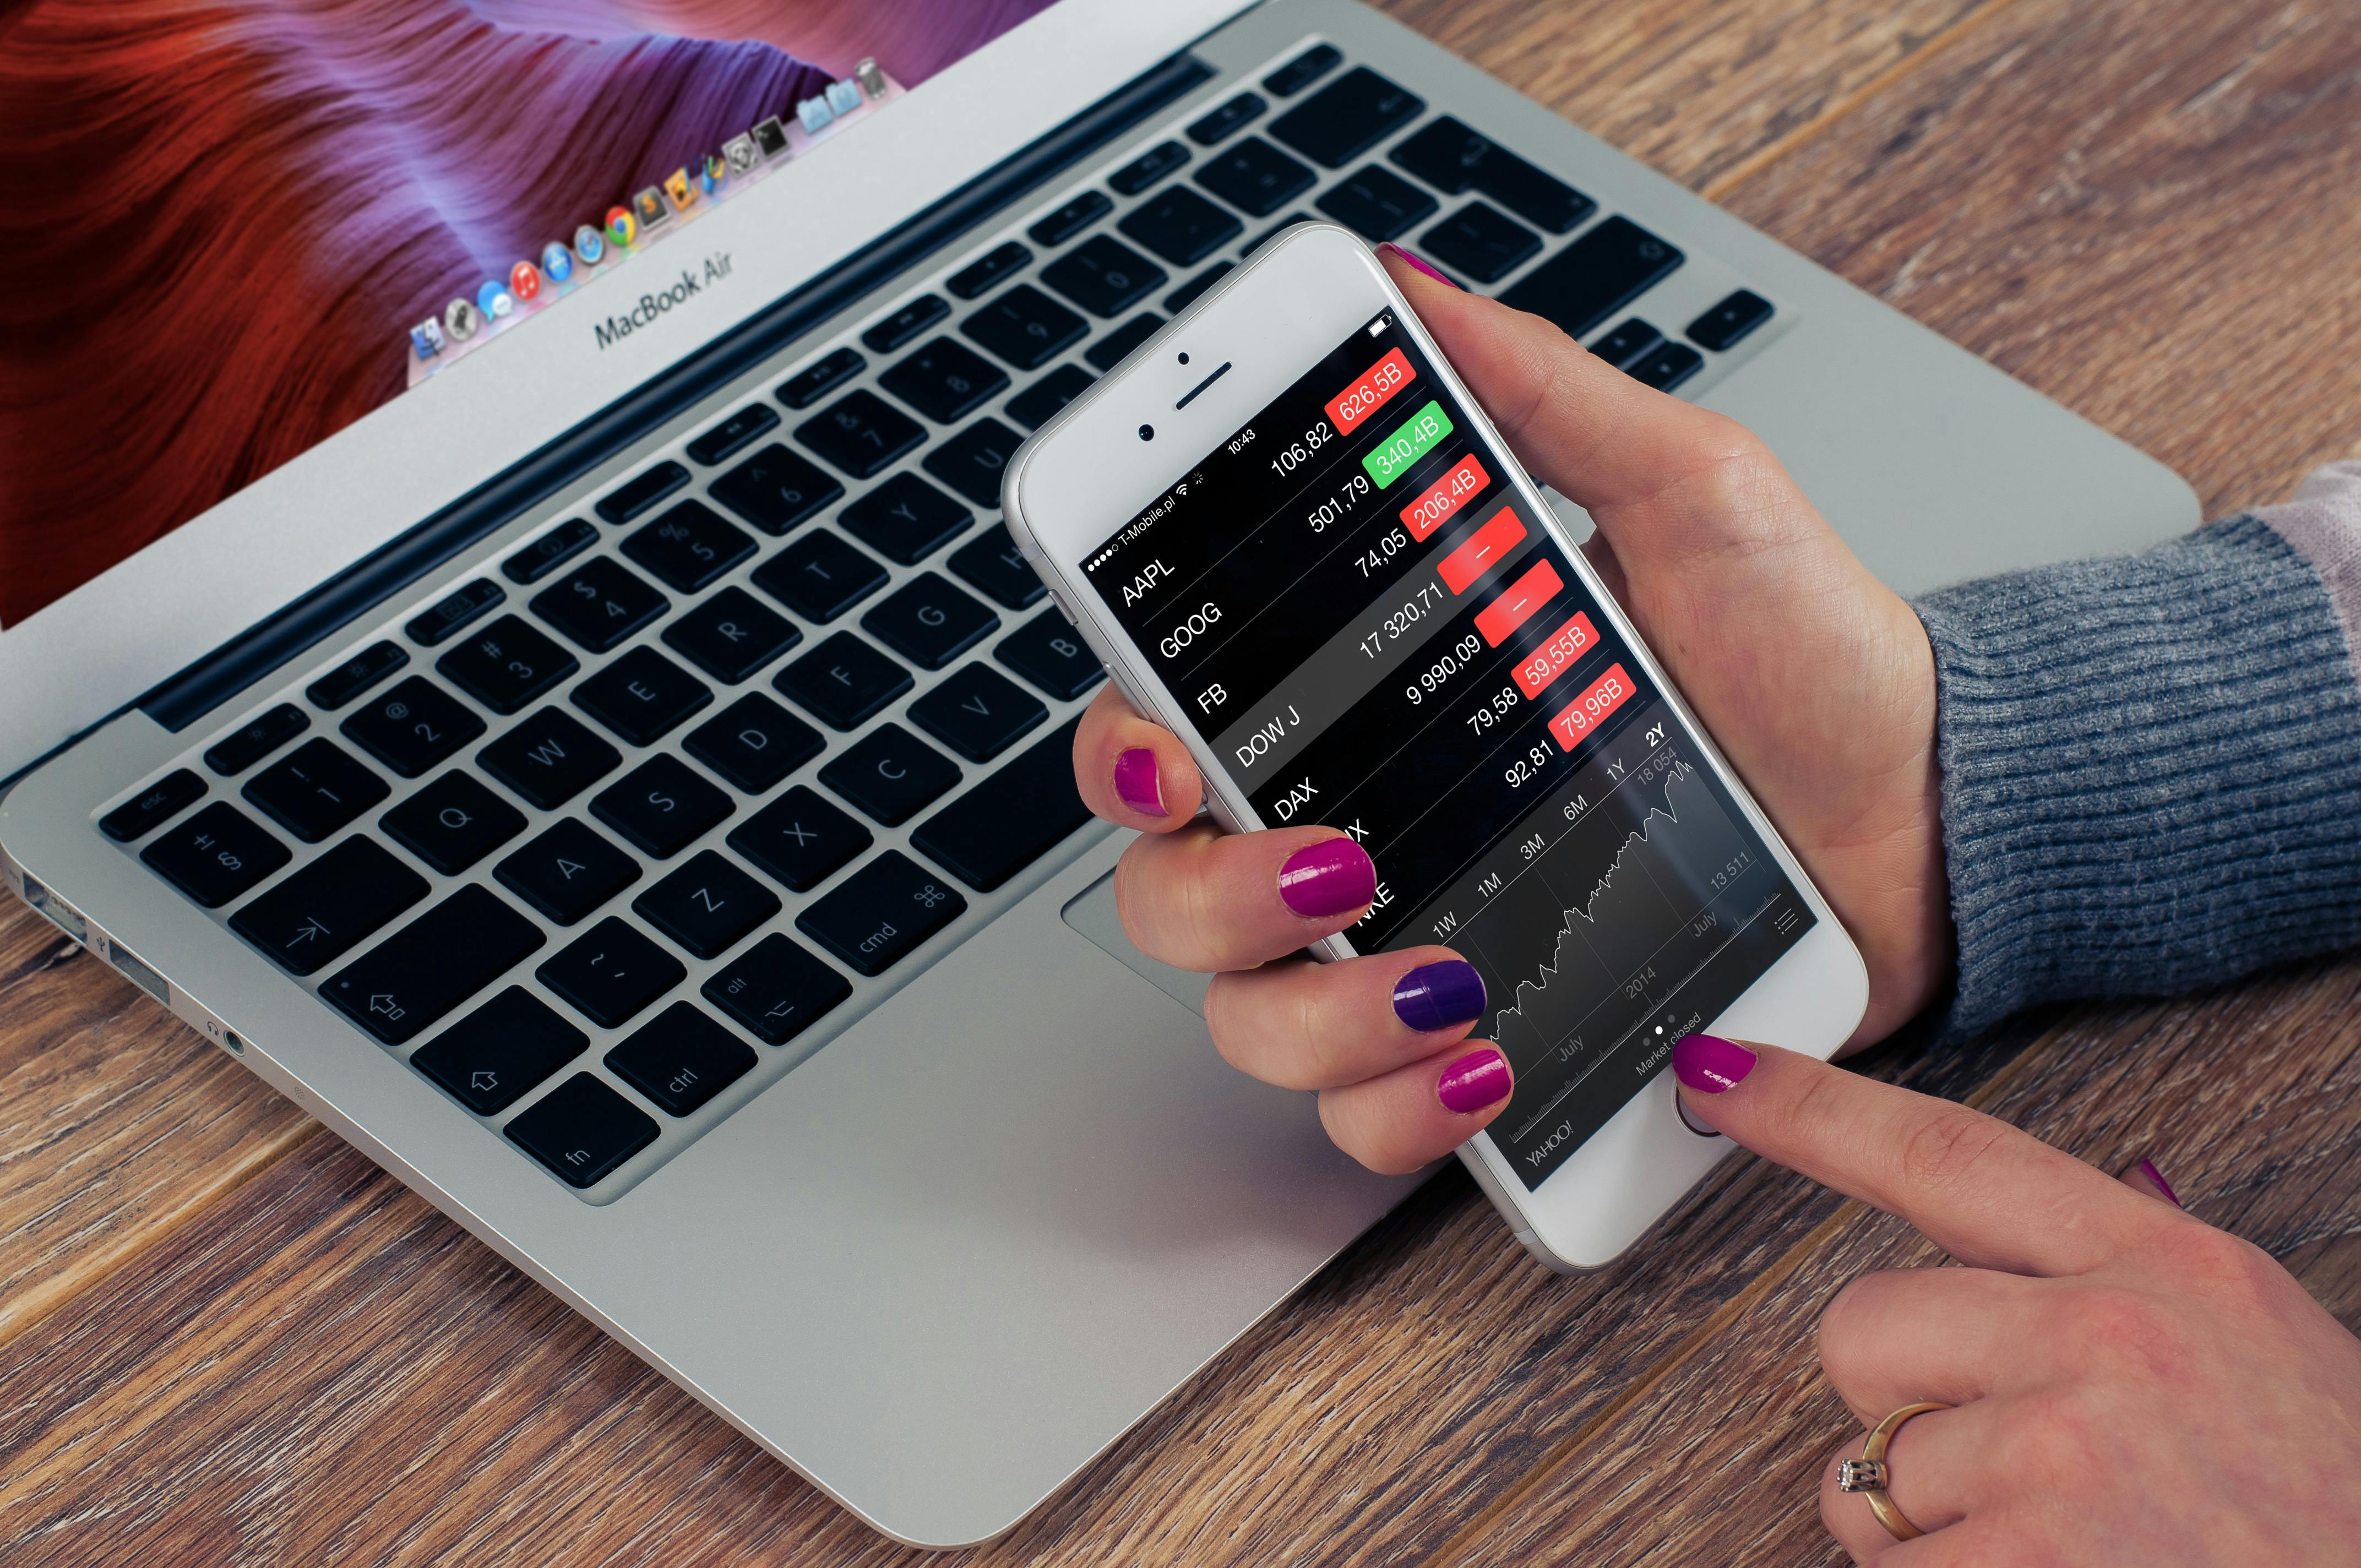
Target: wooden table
x=225 y=1337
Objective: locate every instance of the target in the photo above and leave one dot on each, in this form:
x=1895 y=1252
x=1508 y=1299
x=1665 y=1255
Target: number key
x=860 y=433
x=506 y=664
x=598 y=604
x=689 y=546
x=412 y=726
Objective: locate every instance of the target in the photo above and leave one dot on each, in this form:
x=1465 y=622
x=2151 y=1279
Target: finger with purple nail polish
x=1439 y=995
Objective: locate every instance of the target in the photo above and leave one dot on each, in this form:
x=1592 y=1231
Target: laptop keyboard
x=734 y=756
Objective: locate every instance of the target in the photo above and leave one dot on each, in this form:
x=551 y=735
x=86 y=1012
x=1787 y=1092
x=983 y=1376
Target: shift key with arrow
x=498 y=1051
x=324 y=911
x=430 y=966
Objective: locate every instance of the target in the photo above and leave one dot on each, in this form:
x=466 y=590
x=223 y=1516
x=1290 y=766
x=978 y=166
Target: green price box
x=1399 y=452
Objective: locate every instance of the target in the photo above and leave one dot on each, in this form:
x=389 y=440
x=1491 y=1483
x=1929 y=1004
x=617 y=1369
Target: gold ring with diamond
x=1867 y=1477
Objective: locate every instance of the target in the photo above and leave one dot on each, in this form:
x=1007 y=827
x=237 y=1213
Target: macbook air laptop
x=505 y=628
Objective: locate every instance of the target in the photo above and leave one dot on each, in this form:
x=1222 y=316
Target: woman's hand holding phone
x=1815 y=680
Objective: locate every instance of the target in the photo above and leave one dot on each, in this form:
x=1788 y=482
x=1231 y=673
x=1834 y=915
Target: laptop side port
x=131 y=964
x=67 y=917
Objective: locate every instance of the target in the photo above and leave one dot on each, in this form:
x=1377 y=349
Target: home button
x=1680 y=1109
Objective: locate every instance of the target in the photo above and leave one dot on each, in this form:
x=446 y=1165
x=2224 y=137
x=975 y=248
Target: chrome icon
x=621 y=227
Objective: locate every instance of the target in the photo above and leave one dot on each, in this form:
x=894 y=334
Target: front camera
x=1147 y=432
x=1184 y=359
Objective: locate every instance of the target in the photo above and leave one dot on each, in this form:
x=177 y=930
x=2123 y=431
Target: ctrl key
x=582 y=1130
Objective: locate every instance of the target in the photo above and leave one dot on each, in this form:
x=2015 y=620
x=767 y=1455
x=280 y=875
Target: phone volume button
x=1064 y=607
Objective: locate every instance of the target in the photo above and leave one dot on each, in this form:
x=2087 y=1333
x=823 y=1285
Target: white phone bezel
x=1087 y=470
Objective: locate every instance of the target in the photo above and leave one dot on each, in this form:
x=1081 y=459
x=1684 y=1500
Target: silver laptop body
x=951 y=1239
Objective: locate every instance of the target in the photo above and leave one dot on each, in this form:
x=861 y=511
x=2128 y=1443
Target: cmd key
x=1601 y=273
x=431 y=965
x=880 y=913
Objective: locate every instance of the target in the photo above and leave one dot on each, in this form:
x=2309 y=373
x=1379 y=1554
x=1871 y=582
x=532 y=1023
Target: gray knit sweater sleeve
x=2152 y=762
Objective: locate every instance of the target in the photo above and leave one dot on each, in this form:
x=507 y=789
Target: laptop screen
x=257 y=221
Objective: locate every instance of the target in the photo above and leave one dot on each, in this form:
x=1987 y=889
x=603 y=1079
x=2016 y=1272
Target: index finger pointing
x=1986 y=1193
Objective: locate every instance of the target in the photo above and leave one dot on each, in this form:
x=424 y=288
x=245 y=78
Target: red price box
x=1517 y=603
x=1481 y=550
x=1364 y=397
x=1554 y=658
x=1588 y=711
x=1433 y=510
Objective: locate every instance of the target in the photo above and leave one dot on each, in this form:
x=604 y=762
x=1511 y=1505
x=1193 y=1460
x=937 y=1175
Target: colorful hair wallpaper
x=229 y=211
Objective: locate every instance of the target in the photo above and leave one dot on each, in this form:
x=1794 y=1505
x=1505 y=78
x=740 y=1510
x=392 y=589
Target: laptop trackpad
x=1093 y=913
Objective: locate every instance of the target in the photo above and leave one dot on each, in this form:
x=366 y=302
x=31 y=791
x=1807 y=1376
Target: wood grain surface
x=225 y=1337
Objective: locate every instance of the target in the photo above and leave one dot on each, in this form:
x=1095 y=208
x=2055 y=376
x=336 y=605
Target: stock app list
x=1377 y=633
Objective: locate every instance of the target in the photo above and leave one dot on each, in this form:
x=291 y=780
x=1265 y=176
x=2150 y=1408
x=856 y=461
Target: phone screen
x=1373 y=631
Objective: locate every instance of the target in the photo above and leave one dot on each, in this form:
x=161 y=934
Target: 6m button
x=881 y=912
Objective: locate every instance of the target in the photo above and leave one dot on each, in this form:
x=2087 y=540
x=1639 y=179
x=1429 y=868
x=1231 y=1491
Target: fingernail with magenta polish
x=2148 y=1170
x=1328 y=878
x=1136 y=784
x=1439 y=995
x=1414 y=261
x=1709 y=1063
x=1475 y=1081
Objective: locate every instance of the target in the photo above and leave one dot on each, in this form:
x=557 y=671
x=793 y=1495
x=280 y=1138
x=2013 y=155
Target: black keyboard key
x=734 y=435
x=566 y=871
x=799 y=839
x=549 y=552
x=598 y=604
x=1071 y=219
x=1305 y=70
x=844 y=681
x=973 y=461
x=1273 y=232
x=549 y=758
x=1667 y=366
x=978 y=712
x=823 y=376
x=945 y=381
x=430 y=966
x=1189 y=294
x=819 y=576
x=582 y=1130
x=861 y=433
x=315 y=789
x=456 y=609
x=776 y=990
x=928 y=621
x=680 y=1058
x=1627 y=343
x=1024 y=326
x=216 y=855
x=360 y=673
x=506 y=664
x=324 y=911
x=643 y=492
x=1225 y=120
x=1377 y=204
x=978 y=276
x=907 y=322
x=777 y=488
x=1103 y=276
x=641 y=696
x=412 y=726
x=994 y=563
x=662 y=805
x=1033 y=406
x=1050 y=654
x=1347 y=117
x=1180 y=226
x=689 y=546
x=891 y=774
x=1722 y=327
x=1116 y=346
x=708 y=906
x=732 y=634
x=881 y=912
x=905 y=519
x=1256 y=178
x=1011 y=818
x=1480 y=241
x=1455 y=159
x=754 y=744
x=487 y=1059
x=1595 y=276
x=1149 y=167
x=452 y=823
x=140 y=816
x=256 y=739
x=610 y=972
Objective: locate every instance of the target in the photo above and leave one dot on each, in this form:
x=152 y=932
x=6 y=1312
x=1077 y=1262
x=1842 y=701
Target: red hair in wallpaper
x=228 y=213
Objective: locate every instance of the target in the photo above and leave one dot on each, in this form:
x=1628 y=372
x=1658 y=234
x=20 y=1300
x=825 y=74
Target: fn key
x=882 y=910
x=582 y=1130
